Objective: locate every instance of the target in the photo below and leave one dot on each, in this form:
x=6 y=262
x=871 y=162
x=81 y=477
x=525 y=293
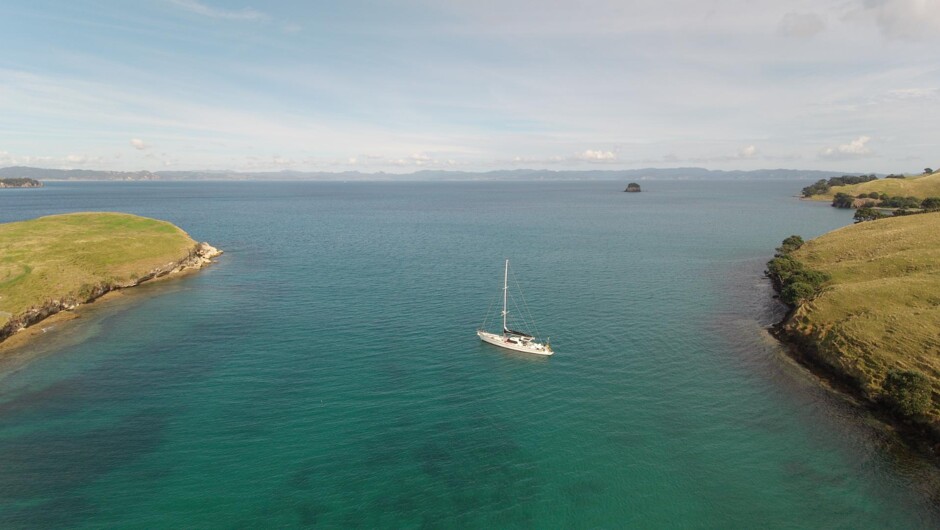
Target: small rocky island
x=20 y=183
x=56 y=263
x=632 y=187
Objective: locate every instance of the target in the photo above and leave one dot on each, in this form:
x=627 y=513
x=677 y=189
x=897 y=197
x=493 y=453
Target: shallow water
x=326 y=370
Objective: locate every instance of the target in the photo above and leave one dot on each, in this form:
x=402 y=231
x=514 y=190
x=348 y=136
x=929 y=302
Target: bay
x=326 y=372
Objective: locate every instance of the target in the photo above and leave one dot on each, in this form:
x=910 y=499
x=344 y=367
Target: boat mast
x=505 y=292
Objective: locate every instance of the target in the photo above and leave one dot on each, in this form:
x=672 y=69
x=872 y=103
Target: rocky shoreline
x=804 y=351
x=201 y=255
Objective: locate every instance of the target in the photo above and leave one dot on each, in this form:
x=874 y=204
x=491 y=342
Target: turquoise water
x=326 y=372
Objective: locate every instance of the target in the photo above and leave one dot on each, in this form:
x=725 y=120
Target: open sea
x=326 y=372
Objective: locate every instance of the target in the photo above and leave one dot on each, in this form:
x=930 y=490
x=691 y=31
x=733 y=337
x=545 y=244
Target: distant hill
x=73 y=174
x=685 y=173
x=921 y=186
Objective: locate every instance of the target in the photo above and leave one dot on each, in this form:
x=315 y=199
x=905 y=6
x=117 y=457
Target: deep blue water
x=326 y=372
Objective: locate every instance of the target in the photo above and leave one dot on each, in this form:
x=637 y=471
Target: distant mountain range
x=681 y=173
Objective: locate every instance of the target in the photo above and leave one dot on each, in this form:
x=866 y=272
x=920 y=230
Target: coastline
x=802 y=350
x=21 y=327
x=862 y=315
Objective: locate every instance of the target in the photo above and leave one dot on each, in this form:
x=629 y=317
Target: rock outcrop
x=633 y=187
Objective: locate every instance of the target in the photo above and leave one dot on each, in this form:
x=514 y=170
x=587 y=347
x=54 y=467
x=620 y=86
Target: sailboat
x=511 y=339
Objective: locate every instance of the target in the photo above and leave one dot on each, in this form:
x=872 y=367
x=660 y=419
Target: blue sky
x=404 y=85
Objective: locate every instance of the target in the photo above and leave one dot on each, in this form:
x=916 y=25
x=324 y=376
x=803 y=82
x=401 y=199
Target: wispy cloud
x=900 y=19
x=138 y=144
x=213 y=12
x=801 y=25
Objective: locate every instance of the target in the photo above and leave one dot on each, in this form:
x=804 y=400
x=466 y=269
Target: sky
x=475 y=85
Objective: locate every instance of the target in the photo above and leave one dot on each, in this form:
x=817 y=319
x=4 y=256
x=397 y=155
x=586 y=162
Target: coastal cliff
x=57 y=263
x=864 y=313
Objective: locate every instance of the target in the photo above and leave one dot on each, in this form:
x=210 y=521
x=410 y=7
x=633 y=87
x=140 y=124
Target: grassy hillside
x=881 y=310
x=921 y=186
x=64 y=256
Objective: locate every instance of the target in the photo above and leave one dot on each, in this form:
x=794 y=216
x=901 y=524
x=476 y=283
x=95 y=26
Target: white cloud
x=230 y=14
x=138 y=144
x=591 y=155
x=801 y=25
x=857 y=148
x=748 y=152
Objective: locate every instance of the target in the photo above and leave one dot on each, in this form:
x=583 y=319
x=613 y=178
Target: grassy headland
x=875 y=320
x=54 y=263
x=918 y=186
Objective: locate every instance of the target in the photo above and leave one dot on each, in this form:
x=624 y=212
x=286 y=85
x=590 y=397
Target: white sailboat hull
x=515 y=344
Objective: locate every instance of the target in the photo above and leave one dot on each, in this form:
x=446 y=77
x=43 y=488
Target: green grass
x=921 y=186
x=881 y=311
x=57 y=256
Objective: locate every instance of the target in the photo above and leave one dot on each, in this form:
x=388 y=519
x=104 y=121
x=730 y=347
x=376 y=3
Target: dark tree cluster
x=843 y=200
x=867 y=213
x=931 y=204
x=900 y=202
x=893 y=176
x=19 y=183
x=795 y=283
x=822 y=186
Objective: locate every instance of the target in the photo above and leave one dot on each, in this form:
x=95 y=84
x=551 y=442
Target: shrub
x=893 y=176
x=874 y=195
x=908 y=392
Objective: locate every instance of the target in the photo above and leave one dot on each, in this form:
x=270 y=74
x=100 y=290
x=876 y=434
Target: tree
x=789 y=245
x=908 y=392
x=796 y=293
x=783 y=267
x=927 y=171
x=843 y=200
x=931 y=203
x=867 y=214
x=819 y=188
